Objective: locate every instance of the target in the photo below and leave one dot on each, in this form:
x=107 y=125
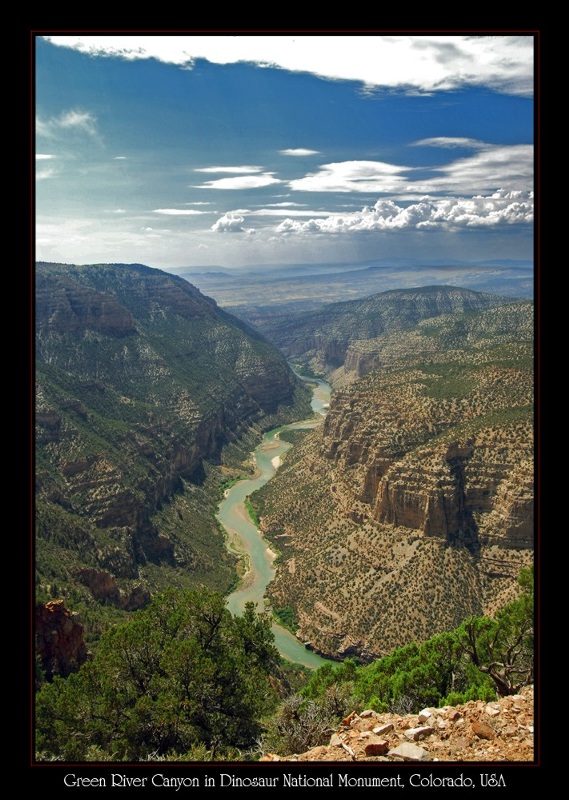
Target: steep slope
x=142 y=385
x=321 y=339
x=412 y=507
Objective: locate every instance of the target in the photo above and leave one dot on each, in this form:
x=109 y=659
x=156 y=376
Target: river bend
x=244 y=538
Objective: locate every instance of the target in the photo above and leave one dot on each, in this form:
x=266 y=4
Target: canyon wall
x=412 y=507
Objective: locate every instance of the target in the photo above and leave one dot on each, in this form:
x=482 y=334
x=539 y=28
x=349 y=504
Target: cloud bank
x=501 y=207
x=421 y=63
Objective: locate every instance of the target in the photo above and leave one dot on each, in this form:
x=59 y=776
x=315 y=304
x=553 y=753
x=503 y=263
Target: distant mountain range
x=259 y=294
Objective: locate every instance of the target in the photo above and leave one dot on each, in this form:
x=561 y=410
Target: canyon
x=408 y=510
x=148 y=397
x=413 y=507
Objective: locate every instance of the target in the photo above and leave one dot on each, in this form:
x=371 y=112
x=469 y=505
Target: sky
x=226 y=150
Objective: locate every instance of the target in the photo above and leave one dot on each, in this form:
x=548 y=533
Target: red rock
x=59 y=639
x=418 y=733
x=483 y=730
x=378 y=748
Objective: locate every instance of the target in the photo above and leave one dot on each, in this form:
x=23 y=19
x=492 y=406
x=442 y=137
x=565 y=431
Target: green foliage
x=294 y=435
x=251 y=511
x=503 y=648
x=481 y=658
x=287 y=617
x=183 y=674
x=301 y=723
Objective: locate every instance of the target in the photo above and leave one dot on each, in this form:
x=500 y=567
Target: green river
x=245 y=539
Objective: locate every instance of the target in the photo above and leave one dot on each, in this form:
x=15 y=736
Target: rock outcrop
x=475 y=731
x=59 y=639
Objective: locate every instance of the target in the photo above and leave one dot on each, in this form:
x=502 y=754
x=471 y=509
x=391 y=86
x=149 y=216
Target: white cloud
x=43 y=156
x=352 y=176
x=421 y=63
x=500 y=208
x=242 y=182
x=119 y=158
x=232 y=222
x=119 y=211
x=451 y=141
x=286 y=205
x=244 y=169
x=490 y=167
x=299 y=151
x=293 y=212
x=69 y=121
x=44 y=174
x=153 y=232
x=177 y=212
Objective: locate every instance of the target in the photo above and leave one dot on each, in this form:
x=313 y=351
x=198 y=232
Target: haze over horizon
x=180 y=151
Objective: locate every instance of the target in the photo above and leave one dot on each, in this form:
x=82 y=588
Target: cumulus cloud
x=177 y=212
x=242 y=182
x=421 y=63
x=298 y=151
x=503 y=207
x=232 y=222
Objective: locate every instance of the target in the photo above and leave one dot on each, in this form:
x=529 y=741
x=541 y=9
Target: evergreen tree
x=183 y=674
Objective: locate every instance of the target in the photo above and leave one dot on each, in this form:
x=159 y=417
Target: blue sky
x=182 y=151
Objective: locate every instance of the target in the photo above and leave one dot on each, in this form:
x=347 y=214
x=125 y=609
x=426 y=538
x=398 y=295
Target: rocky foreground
x=476 y=731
